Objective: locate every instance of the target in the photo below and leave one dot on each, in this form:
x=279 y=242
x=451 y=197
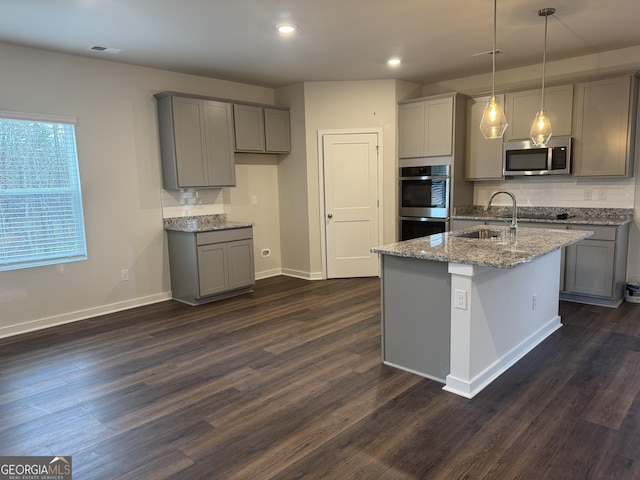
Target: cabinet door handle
x=330 y=215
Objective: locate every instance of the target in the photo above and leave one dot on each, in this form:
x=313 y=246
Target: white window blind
x=41 y=219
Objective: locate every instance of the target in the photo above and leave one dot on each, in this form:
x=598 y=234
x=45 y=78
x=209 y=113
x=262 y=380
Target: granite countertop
x=576 y=216
x=202 y=223
x=529 y=244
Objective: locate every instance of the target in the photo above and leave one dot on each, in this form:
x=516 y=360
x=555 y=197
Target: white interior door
x=351 y=204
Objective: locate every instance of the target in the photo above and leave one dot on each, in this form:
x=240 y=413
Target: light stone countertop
x=202 y=223
x=575 y=216
x=530 y=244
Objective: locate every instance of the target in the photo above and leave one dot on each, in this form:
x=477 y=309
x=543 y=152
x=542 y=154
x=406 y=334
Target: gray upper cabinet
x=483 y=157
x=277 y=131
x=249 y=127
x=426 y=127
x=523 y=106
x=260 y=129
x=196 y=142
x=605 y=122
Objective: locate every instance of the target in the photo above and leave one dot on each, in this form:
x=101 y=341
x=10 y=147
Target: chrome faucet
x=513 y=228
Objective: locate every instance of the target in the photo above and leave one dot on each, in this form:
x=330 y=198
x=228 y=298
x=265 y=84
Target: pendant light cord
x=544 y=62
x=493 y=52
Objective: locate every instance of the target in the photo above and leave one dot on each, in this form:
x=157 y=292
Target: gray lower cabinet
x=596 y=267
x=208 y=266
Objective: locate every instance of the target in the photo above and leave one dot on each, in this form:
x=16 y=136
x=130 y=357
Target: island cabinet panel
x=426 y=128
x=196 y=142
x=416 y=316
x=596 y=267
x=483 y=157
x=522 y=108
x=260 y=129
x=605 y=123
x=208 y=266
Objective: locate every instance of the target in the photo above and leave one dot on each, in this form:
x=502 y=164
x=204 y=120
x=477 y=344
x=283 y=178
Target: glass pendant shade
x=540 y=129
x=494 y=121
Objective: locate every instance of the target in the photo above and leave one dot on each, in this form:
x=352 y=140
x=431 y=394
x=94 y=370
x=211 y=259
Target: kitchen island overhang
x=461 y=310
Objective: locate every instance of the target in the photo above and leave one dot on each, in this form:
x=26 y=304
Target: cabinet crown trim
x=218 y=99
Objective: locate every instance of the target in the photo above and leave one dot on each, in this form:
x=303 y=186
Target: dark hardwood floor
x=287 y=383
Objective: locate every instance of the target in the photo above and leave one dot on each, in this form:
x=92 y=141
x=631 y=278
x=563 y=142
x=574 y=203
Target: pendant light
x=493 y=122
x=541 y=127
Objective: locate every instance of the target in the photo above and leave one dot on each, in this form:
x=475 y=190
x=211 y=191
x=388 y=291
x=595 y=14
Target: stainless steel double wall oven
x=424 y=200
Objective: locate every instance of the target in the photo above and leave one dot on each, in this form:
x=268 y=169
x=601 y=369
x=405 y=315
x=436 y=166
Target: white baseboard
x=78 y=315
x=289 y=273
x=300 y=274
x=268 y=273
x=469 y=389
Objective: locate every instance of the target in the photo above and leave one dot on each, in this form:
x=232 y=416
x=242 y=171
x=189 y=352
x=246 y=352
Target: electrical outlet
x=587 y=194
x=254 y=200
x=602 y=194
x=124 y=275
x=534 y=301
x=460 y=299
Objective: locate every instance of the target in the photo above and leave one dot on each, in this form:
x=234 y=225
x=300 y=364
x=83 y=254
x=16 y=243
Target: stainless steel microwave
x=522 y=157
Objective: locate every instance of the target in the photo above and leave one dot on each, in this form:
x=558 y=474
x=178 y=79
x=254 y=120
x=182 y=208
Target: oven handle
x=425 y=219
x=427 y=177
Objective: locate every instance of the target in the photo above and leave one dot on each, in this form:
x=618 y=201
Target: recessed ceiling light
x=286 y=28
x=394 y=62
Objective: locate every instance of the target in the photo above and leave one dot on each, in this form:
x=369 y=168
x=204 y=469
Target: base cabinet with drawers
x=209 y=266
x=592 y=270
x=596 y=267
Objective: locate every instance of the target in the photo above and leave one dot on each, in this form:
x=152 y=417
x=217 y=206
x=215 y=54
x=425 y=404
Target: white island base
x=464 y=325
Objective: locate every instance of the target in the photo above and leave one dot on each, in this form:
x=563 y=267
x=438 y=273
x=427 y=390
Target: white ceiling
x=336 y=39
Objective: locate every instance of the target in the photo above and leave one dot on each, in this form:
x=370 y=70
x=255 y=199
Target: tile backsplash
x=560 y=192
x=190 y=201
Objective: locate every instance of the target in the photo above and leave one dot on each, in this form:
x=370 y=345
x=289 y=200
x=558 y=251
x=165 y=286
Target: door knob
x=330 y=215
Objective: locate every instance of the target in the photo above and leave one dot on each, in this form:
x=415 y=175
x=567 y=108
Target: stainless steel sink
x=485 y=234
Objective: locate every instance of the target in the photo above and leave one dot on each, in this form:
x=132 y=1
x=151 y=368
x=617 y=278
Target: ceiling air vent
x=98 y=48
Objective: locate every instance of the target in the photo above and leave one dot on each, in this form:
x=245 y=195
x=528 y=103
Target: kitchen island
x=461 y=310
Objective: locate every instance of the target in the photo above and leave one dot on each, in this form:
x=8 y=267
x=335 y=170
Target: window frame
x=63 y=232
